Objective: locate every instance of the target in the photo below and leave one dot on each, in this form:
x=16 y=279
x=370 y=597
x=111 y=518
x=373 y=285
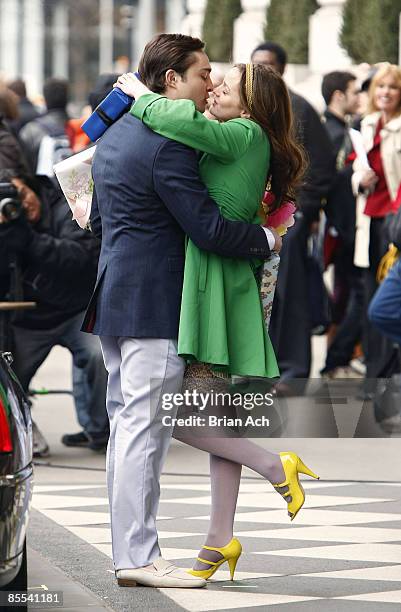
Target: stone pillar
x=60 y=40
x=325 y=53
x=145 y=25
x=106 y=33
x=192 y=24
x=33 y=51
x=9 y=12
x=175 y=13
x=249 y=28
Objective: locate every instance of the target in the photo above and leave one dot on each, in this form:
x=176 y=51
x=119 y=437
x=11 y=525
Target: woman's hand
x=368 y=180
x=131 y=85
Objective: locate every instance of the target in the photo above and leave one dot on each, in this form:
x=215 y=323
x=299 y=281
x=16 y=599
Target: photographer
x=58 y=264
x=11 y=155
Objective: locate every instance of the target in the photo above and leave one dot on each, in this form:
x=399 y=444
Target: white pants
x=141 y=371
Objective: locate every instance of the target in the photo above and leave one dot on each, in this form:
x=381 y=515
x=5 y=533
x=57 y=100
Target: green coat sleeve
x=179 y=120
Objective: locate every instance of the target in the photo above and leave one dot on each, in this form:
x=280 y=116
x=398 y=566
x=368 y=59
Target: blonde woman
x=376 y=190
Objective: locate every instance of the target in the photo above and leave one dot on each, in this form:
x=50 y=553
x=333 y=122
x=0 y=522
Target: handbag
x=393 y=229
x=115 y=104
x=387 y=262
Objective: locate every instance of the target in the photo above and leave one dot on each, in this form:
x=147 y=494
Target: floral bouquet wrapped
x=280 y=219
x=75 y=177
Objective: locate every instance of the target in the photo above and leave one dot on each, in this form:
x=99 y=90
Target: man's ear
x=338 y=94
x=171 y=78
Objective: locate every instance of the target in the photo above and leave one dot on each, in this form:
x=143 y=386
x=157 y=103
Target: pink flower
x=282 y=218
x=282 y=215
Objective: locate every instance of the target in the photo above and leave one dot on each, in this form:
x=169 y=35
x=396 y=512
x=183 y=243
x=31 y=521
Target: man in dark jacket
x=291 y=321
x=26 y=110
x=52 y=123
x=340 y=93
x=58 y=266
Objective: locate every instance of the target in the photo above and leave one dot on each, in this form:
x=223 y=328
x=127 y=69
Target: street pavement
x=342 y=552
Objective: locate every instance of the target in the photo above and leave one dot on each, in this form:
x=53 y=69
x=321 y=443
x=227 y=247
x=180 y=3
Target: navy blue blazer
x=147 y=196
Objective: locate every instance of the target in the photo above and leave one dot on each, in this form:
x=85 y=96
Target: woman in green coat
x=222 y=329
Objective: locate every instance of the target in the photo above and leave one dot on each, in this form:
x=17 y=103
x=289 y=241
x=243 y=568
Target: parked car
x=16 y=477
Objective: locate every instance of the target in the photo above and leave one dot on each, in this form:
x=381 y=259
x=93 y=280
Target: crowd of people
x=347 y=205
x=166 y=283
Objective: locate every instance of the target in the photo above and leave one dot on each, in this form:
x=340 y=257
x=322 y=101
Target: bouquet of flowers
x=75 y=177
x=280 y=219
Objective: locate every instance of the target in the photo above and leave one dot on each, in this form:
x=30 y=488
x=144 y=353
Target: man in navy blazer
x=147 y=196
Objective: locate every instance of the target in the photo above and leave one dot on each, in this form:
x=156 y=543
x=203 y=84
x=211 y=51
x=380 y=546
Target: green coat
x=221 y=321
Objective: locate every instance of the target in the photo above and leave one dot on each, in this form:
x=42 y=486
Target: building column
x=325 y=53
x=192 y=24
x=249 y=28
x=145 y=26
x=9 y=26
x=33 y=52
x=60 y=40
x=106 y=33
x=175 y=13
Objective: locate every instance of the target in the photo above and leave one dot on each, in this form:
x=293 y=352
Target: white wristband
x=270 y=238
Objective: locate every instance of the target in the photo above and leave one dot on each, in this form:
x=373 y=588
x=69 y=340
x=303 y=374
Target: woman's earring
x=269 y=196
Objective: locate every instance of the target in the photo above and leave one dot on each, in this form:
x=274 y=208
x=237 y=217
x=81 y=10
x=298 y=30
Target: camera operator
x=58 y=264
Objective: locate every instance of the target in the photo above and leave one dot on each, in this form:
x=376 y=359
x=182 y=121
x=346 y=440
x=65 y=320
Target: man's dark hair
x=18 y=87
x=164 y=52
x=335 y=81
x=55 y=93
x=279 y=52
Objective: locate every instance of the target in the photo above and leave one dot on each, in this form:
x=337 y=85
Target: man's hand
x=278 y=242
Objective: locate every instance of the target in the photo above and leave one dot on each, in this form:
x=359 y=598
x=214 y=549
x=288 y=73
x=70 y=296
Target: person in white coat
x=376 y=188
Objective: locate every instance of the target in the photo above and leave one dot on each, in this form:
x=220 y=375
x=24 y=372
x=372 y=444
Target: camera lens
x=10 y=209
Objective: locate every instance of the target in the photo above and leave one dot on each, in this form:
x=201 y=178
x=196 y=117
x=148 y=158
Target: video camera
x=10 y=203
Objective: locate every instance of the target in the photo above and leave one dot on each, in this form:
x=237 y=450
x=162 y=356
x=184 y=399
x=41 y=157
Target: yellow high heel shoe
x=293 y=466
x=231 y=553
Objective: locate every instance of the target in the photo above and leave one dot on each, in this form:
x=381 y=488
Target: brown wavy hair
x=271 y=109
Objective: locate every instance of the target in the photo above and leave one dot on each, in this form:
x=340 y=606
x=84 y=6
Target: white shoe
x=391 y=425
x=164 y=574
x=40 y=446
x=358 y=365
x=342 y=372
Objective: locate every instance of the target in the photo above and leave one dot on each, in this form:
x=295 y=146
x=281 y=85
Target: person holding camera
x=57 y=262
x=11 y=155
